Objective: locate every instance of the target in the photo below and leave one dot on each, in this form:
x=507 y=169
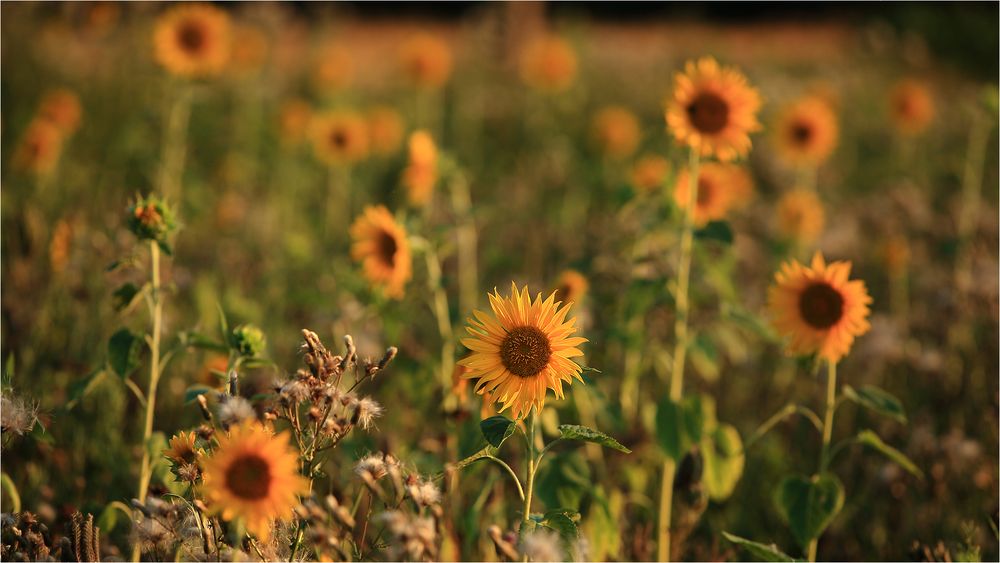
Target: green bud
x=149 y=218
x=249 y=341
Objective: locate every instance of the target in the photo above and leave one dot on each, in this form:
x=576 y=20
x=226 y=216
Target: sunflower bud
x=150 y=218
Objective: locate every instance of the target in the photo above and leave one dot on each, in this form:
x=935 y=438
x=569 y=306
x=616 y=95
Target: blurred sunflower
x=548 y=63
x=340 y=137
x=385 y=130
x=421 y=173
x=649 y=173
x=713 y=109
x=380 y=244
x=911 y=107
x=572 y=287
x=249 y=49
x=61 y=107
x=334 y=69
x=522 y=351
x=40 y=147
x=800 y=216
x=719 y=186
x=616 y=131
x=425 y=60
x=182 y=449
x=193 y=40
x=294 y=119
x=253 y=475
x=817 y=308
x=807 y=131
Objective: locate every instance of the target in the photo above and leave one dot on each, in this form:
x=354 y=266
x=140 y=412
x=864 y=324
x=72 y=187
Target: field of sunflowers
x=499 y=282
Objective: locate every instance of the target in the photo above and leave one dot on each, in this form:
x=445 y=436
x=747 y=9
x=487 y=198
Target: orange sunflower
x=193 y=40
x=616 y=131
x=523 y=350
x=649 y=173
x=818 y=309
x=253 y=475
x=713 y=109
x=720 y=187
x=421 y=173
x=249 y=49
x=334 y=69
x=182 y=450
x=800 y=216
x=572 y=286
x=548 y=63
x=426 y=60
x=380 y=244
x=807 y=132
x=911 y=107
x=340 y=137
x=385 y=130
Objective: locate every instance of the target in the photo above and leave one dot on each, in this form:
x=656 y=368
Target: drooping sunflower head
x=818 y=309
x=425 y=61
x=572 y=287
x=616 y=131
x=522 y=350
x=380 y=244
x=193 y=40
x=649 y=173
x=334 y=68
x=800 y=216
x=807 y=132
x=340 y=137
x=713 y=109
x=62 y=108
x=421 y=172
x=548 y=63
x=182 y=450
x=911 y=107
x=385 y=130
x=720 y=187
x=253 y=475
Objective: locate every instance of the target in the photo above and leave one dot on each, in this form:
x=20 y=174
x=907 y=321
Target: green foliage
x=248 y=341
x=584 y=434
x=123 y=352
x=759 y=550
x=496 y=429
x=13 y=497
x=809 y=504
x=718 y=231
x=150 y=218
x=877 y=400
x=722 y=455
x=872 y=440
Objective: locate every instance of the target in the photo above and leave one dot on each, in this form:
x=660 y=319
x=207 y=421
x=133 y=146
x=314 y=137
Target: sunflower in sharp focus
x=911 y=107
x=61 y=107
x=649 y=173
x=719 y=187
x=426 y=61
x=713 y=109
x=385 y=130
x=807 y=132
x=340 y=137
x=800 y=216
x=523 y=350
x=572 y=287
x=548 y=63
x=616 y=131
x=193 y=40
x=380 y=244
x=253 y=475
x=818 y=309
x=421 y=173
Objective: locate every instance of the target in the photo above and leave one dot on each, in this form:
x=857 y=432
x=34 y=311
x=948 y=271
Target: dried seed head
x=542 y=545
x=373 y=465
x=295 y=391
x=17 y=416
x=424 y=493
x=366 y=412
x=234 y=410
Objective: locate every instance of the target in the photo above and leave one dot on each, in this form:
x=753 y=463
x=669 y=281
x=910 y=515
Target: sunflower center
x=191 y=37
x=339 y=139
x=386 y=247
x=801 y=133
x=708 y=113
x=705 y=192
x=525 y=351
x=821 y=305
x=249 y=477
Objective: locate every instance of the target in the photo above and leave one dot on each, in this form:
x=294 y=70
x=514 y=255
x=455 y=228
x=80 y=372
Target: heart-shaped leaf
x=123 y=352
x=872 y=440
x=561 y=520
x=681 y=425
x=722 y=454
x=877 y=400
x=759 y=550
x=585 y=434
x=496 y=429
x=808 y=505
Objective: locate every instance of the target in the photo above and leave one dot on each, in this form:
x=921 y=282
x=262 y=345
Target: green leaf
x=716 y=230
x=83 y=386
x=808 y=505
x=485 y=453
x=722 y=455
x=562 y=520
x=123 y=352
x=872 y=440
x=11 y=490
x=584 y=434
x=125 y=295
x=759 y=550
x=194 y=339
x=877 y=400
x=496 y=429
x=223 y=323
x=191 y=393
x=679 y=427
x=109 y=519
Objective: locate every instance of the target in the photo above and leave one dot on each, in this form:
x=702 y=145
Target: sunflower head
x=572 y=287
x=649 y=173
x=818 y=309
x=334 y=68
x=62 y=108
x=340 y=137
x=40 y=147
x=253 y=475
x=548 y=63
x=616 y=131
x=380 y=244
x=720 y=188
x=249 y=49
x=182 y=450
x=425 y=60
x=385 y=130
x=421 y=173
x=807 y=131
x=522 y=350
x=713 y=109
x=193 y=40
x=800 y=216
x=911 y=107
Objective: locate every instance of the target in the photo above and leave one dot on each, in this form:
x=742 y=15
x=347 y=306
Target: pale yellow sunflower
x=800 y=216
x=522 y=350
x=340 y=137
x=193 y=40
x=381 y=245
x=818 y=309
x=713 y=109
x=253 y=475
x=807 y=131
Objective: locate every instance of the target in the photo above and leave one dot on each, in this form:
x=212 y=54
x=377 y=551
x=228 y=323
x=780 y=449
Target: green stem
x=824 y=457
x=680 y=351
x=468 y=282
x=443 y=316
x=174 y=142
x=532 y=465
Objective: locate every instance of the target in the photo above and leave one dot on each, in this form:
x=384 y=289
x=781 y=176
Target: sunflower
x=426 y=61
x=340 y=137
x=182 y=450
x=800 y=216
x=294 y=120
x=548 y=63
x=40 y=147
x=421 y=173
x=911 y=107
x=713 y=109
x=193 y=40
x=61 y=107
x=807 y=132
x=649 y=173
x=817 y=308
x=380 y=244
x=334 y=69
x=523 y=350
x=249 y=49
x=616 y=131
x=253 y=475
x=385 y=130
x=572 y=287
x=720 y=187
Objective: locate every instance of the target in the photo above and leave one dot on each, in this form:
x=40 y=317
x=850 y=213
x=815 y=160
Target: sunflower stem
x=468 y=282
x=443 y=316
x=175 y=142
x=532 y=466
x=824 y=456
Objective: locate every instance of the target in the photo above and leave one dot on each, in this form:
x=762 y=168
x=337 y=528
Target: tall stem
x=680 y=352
x=531 y=467
x=175 y=142
x=831 y=403
x=468 y=282
x=443 y=316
